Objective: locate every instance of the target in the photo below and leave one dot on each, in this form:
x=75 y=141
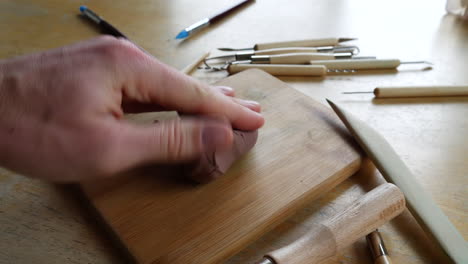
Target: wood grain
x=297 y=157
x=360 y=218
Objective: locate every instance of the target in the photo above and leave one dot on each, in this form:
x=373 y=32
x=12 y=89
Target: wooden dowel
x=363 y=216
x=299 y=58
x=189 y=68
x=282 y=69
x=299 y=43
x=420 y=91
x=361 y=64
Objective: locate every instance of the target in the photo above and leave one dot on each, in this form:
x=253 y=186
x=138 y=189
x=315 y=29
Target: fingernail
x=214 y=137
x=249 y=104
x=225 y=89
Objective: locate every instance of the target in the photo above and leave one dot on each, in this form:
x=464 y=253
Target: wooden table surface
x=45 y=223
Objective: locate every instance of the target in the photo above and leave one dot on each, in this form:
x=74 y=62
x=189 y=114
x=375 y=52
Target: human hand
x=61 y=112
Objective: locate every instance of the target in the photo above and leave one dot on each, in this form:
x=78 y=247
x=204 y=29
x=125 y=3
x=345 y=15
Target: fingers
x=252 y=105
x=170 y=141
x=228 y=91
x=147 y=80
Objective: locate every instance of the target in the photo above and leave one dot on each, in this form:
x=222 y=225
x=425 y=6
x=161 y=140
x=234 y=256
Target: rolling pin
x=363 y=64
x=362 y=217
x=417 y=91
x=282 y=69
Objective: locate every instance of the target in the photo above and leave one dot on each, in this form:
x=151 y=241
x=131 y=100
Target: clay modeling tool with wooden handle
x=416 y=91
x=326 y=239
x=278 y=56
x=364 y=64
x=285 y=70
x=246 y=55
x=283 y=58
x=377 y=248
x=420 y=203
x=294 y=43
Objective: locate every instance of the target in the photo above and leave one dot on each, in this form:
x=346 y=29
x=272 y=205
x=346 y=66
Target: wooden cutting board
x=302 y=151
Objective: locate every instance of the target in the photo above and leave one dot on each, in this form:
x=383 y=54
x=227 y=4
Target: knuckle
x=117 y=50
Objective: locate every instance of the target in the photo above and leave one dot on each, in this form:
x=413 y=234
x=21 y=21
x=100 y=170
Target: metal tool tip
x=366 y=92
x=346 y=39
x=265 y=260
x=226 y=49
x=83 y=8
x=183 y=34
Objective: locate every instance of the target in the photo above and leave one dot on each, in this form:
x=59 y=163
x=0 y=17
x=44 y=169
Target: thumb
x=173 y=140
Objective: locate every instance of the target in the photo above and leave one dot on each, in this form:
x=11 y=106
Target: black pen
x=105 y=26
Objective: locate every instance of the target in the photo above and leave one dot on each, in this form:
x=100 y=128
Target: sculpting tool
x=326 y=239
x=276 y=69
x=189 y=68
x=281 y=69
x=365 y=64
x=377 y=248
x=290 y=58
x=420 y=203
x=416 y=91
x=246 y=55
x=294 y=43
x=211 y=20
x=104 y=25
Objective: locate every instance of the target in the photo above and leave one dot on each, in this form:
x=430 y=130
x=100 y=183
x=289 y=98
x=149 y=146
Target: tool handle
x=189 y=68
x=361 y=64
x=227 y=11
x=298 y=43
x=420 y=91
x=282 y=69
x=286 y=50
x=362 y=217
x=299 y=58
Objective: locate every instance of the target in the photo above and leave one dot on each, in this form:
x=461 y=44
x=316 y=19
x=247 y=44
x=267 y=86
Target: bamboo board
x=302 y=151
